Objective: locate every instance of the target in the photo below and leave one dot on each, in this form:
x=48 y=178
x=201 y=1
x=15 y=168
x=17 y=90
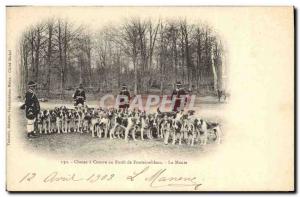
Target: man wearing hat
x=32 y=108
x=79 y=96
x=124 y=97
x=179 y=97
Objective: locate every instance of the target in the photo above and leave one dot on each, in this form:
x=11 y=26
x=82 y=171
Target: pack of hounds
x=169 y=127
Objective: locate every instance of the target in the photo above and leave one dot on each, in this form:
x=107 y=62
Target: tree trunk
x=49 y=54
x=90 y=66
x=215 y=76
x=161 y=61
x=61 y=60
x=32 y=54
x=25 y=67
x=80 y=68
x=187 y=55
x=161 y=77
x=65 y=66
x=135 y=77
x=199 y=59
x=37 y=54
x=175 y=56
x=182 y=58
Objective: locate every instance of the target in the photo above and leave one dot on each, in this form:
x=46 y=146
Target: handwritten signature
x=160 y=179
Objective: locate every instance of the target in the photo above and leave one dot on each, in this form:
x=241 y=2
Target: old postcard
x=150 y=98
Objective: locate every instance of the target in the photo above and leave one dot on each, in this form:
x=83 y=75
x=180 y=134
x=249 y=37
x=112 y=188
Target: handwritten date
x=56 y=177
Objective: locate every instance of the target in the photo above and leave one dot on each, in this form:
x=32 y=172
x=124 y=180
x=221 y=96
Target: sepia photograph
x=150 y=98
x=141 y=80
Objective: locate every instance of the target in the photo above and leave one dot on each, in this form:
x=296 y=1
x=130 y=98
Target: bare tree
x=140 y=52
x=130 y=39
x=50 y=26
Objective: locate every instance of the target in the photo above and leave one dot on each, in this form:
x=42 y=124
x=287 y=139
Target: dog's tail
x=217 y=129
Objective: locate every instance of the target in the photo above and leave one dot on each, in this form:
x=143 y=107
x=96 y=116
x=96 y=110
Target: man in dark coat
x=79 y=96
x=32 y=108
x=179 y=97
x=124 y=97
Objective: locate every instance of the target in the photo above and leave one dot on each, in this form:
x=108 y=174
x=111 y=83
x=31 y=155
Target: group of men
x=32 y=106
x=178 y=95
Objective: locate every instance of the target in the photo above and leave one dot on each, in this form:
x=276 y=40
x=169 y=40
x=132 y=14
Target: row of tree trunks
x=141 y=53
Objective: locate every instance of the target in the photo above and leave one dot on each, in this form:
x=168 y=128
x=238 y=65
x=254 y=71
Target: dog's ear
x=158 y=110
x=23 y=106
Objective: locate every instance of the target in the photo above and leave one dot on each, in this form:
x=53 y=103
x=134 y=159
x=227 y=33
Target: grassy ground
x=84 y=146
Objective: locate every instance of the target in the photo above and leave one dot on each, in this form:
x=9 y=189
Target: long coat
x=180 y=96
x=124 y=104
x=32 y=105
x=79 y=97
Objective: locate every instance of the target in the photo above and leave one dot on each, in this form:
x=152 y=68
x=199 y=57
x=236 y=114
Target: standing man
x=124 y=98
x=79 y=96
x=32 y=108
x=179 y=97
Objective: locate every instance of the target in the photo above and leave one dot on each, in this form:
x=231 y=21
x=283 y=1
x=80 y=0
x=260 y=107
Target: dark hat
x=178 y=83
x=124 y=86
x=31 y=84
